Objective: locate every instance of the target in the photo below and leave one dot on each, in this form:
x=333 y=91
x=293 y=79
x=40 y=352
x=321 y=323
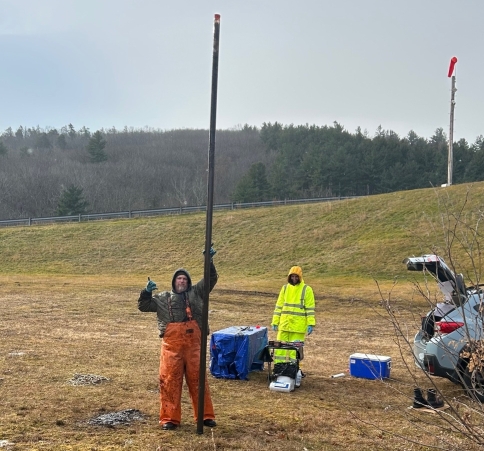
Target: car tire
x=473 y=382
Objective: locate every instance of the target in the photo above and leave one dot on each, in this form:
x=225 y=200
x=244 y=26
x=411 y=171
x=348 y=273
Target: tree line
x=313 y=161
x=48 y=171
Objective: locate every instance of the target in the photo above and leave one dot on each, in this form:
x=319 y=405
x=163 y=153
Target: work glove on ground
x=274 y=327
x=310 y=330
x=151 y=286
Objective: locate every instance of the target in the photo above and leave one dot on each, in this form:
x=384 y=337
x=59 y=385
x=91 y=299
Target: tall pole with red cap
x=208 y=226
x=451 y=128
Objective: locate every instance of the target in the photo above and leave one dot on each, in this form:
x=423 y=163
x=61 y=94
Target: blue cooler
x=370 y=366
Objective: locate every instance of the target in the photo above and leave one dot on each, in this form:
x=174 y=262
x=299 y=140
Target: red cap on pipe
x=217 y=16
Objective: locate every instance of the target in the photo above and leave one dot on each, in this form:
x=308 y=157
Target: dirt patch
x=124 y=417
x=87 y=379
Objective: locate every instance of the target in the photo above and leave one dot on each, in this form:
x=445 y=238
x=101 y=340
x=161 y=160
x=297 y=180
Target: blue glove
x=310 y=330
x=274 y=327
x=212 y=251
x=151 y=286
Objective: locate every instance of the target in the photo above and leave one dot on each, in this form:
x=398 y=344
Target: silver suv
x=448 y=343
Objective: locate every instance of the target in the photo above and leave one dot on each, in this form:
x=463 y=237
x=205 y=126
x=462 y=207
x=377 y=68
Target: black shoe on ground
x=209 y=423
x=433 y=399
x=419 y=401
x=169 y=426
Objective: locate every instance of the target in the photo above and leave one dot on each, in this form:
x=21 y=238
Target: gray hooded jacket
x=171 y=306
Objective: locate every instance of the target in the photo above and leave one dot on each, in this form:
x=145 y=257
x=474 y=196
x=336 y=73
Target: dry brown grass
x=68 y=305
x=53 y=328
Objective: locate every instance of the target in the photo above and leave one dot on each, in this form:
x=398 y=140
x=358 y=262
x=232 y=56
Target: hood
x=176 y=273
x=295 y=270
x=450 y=284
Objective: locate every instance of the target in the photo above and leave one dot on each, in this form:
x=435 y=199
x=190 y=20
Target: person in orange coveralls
x=179 y=313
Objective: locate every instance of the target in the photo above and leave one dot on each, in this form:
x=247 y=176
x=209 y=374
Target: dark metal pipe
x=208 y=227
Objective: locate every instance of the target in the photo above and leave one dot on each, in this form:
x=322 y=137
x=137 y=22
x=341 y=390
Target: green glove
x=151 y=286
x=212 y=251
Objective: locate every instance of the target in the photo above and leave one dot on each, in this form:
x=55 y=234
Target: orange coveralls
x=180 y=323
x=180 y=354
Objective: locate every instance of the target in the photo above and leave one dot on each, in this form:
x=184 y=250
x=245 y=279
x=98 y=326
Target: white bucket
x=282 y=383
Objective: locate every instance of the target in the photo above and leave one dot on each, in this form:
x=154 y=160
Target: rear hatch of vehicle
x=450 y=284
x=442 y=323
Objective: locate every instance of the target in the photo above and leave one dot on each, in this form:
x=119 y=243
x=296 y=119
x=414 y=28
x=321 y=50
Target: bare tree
x=459 y=243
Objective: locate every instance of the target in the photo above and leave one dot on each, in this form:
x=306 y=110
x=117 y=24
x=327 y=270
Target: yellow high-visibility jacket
x=295 y=306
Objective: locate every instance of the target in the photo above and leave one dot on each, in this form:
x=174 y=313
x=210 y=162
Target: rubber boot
x=419 y=401
x=434 y=401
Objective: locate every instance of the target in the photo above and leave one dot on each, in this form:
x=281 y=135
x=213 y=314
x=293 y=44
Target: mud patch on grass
x=87 y=379
x=124 y=417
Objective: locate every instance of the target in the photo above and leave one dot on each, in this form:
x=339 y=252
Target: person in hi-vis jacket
x=294 y=313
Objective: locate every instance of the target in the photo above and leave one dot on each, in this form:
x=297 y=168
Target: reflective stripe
x=303 y=294
x=282 y=355
x=289 y=312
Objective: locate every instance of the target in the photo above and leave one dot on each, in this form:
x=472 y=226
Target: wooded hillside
x=48 y=172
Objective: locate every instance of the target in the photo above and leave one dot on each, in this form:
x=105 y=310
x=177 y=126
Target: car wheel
x=474 y=383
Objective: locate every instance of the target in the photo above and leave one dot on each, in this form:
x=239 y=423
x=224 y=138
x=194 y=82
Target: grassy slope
x=68 y=297
x=355 y=240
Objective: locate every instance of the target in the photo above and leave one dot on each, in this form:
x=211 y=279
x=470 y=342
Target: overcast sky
x=137 y=63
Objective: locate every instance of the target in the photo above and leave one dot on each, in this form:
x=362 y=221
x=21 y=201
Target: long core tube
x=208 y=228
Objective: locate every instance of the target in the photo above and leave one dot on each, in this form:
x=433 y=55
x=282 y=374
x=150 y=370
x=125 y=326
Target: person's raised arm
x=145 y=300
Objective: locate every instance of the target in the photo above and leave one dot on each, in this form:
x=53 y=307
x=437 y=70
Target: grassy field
x=68 y=297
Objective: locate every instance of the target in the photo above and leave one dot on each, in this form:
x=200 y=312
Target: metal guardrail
x=162 y=211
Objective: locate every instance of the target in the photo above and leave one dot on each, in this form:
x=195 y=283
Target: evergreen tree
x=42 y=142
x=96 y=148
x=253 y=187
x=3 y=149
x=439 y=149
x=8 y=133
x=71 y=202
x=62 y=142
x=462 y=158
x=475 y=167
x=72 y=131
x=271 y=134
x=84 y=131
